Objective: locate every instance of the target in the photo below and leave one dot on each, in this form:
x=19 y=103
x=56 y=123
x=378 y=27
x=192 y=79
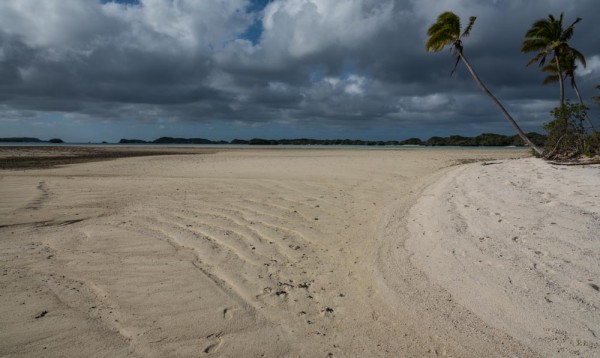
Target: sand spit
x=518 y=244
x=251 y=253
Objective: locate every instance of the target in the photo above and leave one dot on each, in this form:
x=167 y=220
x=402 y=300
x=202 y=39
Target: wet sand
x=36 y=157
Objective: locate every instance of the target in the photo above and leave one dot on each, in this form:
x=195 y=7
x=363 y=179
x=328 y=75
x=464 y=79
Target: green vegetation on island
x=29 y=140
x=171 y=140
x=482 y=140
x=20 y=140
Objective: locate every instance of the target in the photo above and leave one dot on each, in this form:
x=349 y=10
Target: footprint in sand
x=228 y=313
x=215 y=345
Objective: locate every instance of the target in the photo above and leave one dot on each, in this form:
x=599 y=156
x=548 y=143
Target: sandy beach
x=300 y=253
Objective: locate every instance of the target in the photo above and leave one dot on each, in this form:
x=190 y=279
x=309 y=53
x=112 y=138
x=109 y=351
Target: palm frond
x=445 y=31
x=550 y=79
x=541 y=57
x=437 y=42
x=533 y=44
x=550 y=68
x=568 y=32
x=537 y=27
x=467 y=31
x=577 y=56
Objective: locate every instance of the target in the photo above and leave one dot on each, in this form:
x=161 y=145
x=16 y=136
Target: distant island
x=30 y=140
x=482 y=140
x=20 y=140
x=171 y=140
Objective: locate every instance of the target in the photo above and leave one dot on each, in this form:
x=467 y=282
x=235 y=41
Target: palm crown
x=547 y=36
x=446 y=31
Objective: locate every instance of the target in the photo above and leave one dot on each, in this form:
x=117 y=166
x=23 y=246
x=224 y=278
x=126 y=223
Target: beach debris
x=279 y=283
x=327 y=311
x=304 y=285
x=41 y=314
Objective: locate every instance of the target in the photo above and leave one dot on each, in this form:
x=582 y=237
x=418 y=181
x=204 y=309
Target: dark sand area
x=39 y=157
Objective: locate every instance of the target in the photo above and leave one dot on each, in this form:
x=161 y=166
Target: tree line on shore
x=482 y=140
x=29 y=140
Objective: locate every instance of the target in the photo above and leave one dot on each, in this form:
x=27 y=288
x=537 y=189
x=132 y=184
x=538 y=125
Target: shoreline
x=25 y=157
x=43 y=156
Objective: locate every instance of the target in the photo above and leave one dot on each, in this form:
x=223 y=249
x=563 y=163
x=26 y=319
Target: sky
x=98 y=70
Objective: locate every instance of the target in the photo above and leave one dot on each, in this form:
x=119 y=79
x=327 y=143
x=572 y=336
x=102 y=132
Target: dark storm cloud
x=355 y=64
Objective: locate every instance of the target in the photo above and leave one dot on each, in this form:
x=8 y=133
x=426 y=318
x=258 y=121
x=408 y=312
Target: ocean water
x=241 y=146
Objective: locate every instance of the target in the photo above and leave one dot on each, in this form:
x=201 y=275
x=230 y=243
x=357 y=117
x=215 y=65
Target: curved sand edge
x=516 y=243
x=451 y=328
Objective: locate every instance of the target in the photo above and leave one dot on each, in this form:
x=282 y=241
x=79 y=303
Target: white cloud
x=304 y=27
x=434 y=102
x=355 y=85
x=592 y=68
x=79 y=24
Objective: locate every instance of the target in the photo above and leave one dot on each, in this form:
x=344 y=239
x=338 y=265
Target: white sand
x=281 y=253
x=518 y=244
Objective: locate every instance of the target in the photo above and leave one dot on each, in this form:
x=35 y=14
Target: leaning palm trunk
x=502 y=109
x=561 y=83
x=587 y=116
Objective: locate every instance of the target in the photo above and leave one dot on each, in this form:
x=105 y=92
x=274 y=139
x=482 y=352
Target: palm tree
x=547 y=37
x=567 y=64
x=446 y=31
